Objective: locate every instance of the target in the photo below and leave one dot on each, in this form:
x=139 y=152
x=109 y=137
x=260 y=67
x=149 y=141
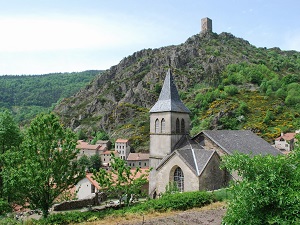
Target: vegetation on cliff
x=26 y=96
x=225 y=81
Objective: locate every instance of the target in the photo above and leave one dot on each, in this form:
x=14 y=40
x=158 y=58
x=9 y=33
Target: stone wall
x=77 y=204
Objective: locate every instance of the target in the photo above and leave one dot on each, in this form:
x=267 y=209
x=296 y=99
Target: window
x=92 y=188
x=177 y=126
x=179 y=179
x=182 y=126
x=145 y=164
x=163 y=125
x=140 y=163
x=156 y=126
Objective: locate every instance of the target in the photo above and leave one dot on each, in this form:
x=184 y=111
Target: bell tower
x=169 y=121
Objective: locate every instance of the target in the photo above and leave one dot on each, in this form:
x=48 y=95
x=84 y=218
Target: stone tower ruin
x=206 y=25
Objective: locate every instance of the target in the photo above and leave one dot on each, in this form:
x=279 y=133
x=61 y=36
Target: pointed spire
x=169 y=100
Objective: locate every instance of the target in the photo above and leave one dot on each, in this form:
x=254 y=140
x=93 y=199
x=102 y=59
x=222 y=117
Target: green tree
x=95 y=162
x=10 y=135
x=101 y=135
x=268 y=192
x=121 y=181
x=46 y=166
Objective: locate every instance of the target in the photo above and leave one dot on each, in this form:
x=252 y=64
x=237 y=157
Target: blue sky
x=44 y=36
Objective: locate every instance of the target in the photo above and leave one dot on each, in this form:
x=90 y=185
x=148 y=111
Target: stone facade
x=165 y=175
x=206 y=25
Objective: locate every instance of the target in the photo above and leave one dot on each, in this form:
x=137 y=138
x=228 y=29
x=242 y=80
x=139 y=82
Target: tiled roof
x=109 y=152
x=87 y=146
x=243 y=141
x=138 y=156
x=169 y=100
x=287 y=136
x=121 y=140
x=89 y=176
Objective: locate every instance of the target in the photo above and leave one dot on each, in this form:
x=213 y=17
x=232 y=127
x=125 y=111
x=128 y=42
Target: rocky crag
x=119 y=99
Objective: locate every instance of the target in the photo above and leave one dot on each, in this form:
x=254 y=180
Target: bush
x=231 y=90
x=4 y=207
x=177 y=201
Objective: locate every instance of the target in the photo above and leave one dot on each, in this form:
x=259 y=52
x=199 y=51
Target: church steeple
x=169 y=122
x=169 y=100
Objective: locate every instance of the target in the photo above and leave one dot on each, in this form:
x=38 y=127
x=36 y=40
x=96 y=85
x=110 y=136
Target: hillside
x=29 y=95
x=225 y=81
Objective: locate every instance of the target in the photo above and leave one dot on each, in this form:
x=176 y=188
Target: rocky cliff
x=119 y=99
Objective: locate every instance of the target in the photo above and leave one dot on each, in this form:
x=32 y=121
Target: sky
x=47 y=36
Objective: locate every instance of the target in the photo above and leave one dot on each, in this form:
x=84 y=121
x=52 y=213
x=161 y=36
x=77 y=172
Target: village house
x=87 y=187
x=85 y=148
x=104 y=143
x=123 y=148
x=106 y=157
x=286 y=142
x=140 y=160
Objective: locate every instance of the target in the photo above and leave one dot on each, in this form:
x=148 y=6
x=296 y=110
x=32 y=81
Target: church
x=193 y=163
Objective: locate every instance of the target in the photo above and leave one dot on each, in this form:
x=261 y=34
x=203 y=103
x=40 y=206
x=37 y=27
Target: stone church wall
x=213 y=177
x=166 y=175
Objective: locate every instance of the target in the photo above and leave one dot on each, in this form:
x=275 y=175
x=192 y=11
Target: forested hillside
x=26 y=96
x=225 y=81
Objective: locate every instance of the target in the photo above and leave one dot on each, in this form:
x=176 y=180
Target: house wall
x=123 y=149
x=87 y=152
x=282 y=145
x=166 y=174
x=84 y=188
x=138 y=163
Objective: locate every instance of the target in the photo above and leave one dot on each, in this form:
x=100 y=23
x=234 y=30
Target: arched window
x=163 y=126
x=179 y=179
x=156 y=126
x=177 y=126
x=182 y=126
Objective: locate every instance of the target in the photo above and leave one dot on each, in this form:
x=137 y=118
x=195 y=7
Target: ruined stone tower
x=206 y=25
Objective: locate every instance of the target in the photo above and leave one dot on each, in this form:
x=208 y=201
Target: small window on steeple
x=177 y=126
x=182 y=126
x=156 y=126
x=163 y=125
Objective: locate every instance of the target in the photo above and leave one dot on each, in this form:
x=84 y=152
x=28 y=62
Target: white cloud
x=41 y=33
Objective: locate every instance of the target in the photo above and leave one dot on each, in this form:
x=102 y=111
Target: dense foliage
x=121 y=181
x=268 y=192
x=27 y=96
x=45 y=166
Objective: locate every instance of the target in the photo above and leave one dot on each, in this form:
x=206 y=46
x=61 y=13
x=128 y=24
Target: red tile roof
x=138 y=156
x=287 y=136
x=89 y=176
x=85 y=145
x=121 y=140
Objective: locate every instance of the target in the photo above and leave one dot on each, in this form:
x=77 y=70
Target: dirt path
x=209 y=215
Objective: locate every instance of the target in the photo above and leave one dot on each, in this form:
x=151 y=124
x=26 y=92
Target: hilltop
x=28 y=95
x=226 y=82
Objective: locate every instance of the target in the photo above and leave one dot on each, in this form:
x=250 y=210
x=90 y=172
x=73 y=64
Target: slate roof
x=243 y=141
x=192 y=154
x=169 y=100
